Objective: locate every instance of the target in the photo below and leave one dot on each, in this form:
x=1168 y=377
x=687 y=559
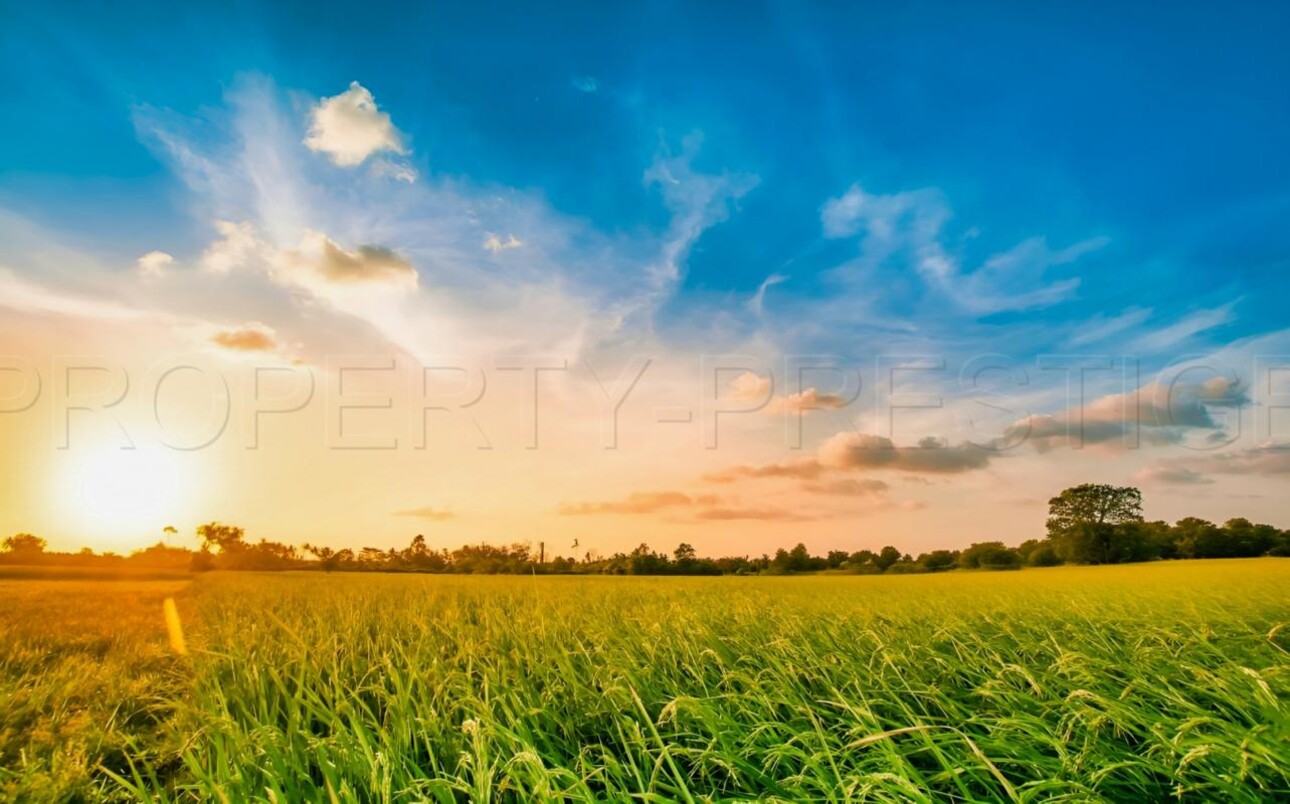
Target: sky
x=738 y=276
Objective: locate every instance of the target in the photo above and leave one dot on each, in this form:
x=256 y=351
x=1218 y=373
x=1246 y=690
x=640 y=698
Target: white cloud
x=909 y=226
x=349 y=128
x=1187 y=327
x=497 y=245
x=749 y=387
x=238 y=246
x=758 y=302
x=153 y=265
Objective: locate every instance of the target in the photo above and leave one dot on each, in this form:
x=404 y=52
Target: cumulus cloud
x=497 y=245
x=749 y=387
x=641 y=502
x=153 y=265
x=851 y=451
x=316 y=262
x=429 y=512
x=237 y=246
x=807 y=400
x=247 y=338
x=1156 y=412
x=321 y=258
x=349 y=128
x=754 y=389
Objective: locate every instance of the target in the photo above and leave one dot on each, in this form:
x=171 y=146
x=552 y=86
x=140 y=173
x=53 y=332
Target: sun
x=121 y=498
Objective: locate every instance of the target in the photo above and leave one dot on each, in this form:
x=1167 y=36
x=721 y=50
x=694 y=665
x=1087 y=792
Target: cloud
x=848 y=487
x=753 y=388
x=317 y=262
x=247 y=338
x=393 y=169
x=758 y=302
x=349 y=128
x=1100 y=328
x=321 y=258
x=428 y=512
x=1268 y=460
x=723 y=514
x=697 y=202
x=1163 y=475
x=852 y=451
x=803 y=469
x=909 y=227
x=18 y=293
x=749 y=387
x=497 y=245
x=578 y=290
x=1156 y=412
x=153 y=265
x=585 y=83
x=637 y=503
x=238 y=246
x=1187 y=327
x=807 y=400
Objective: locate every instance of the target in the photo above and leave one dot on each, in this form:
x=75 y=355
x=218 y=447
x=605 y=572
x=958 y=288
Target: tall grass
x=1150 y=682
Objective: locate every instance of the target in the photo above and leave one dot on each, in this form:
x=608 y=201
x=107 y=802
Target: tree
x=25 y=545
x=327 y=557
x=1086 y=523
x=989 y=555
x=224 y=537
x=938 y=560
x=886 y=557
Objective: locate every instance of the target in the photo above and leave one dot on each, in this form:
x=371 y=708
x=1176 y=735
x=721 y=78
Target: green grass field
x=1130 y=683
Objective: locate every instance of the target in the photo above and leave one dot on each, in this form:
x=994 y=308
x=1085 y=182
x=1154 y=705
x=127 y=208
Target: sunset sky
x=819 y=274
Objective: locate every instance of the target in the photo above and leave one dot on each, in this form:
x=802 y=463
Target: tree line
x=1088 y=524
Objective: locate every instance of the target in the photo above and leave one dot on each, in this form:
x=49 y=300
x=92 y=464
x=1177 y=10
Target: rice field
x=1164 y=681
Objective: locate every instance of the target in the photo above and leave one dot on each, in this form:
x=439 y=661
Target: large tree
x=1090 y=524
x=25 y=545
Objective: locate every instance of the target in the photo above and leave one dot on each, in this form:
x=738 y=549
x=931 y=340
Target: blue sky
x=841 y=179
x=1164 y=133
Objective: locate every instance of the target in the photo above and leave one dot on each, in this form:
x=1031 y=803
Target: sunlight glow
x=122 y=497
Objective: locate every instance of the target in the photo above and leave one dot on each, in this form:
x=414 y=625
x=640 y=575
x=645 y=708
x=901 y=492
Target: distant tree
x=886 y=557
x=684 y=552
x=25 y=545
x=1246 y=539
x=1085 y=523
x=327 y=557
x=1043 y=556
x=938 y=560
x=221 y=537
x=1197 y=538
x=989 y=555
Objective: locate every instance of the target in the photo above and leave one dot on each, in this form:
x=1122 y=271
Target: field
x=1129 y=683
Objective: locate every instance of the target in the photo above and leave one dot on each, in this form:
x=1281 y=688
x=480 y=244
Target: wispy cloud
x=429 y=513
x=909 y=226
